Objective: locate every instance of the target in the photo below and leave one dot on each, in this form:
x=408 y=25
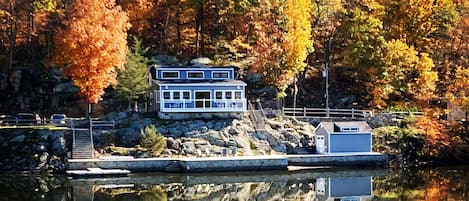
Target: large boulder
x=175 y=132
x=127 y=137
x=173 y=143
x=214 y=138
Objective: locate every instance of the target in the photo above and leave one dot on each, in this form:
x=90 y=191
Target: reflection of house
x=338 y=137
x=344 y=189
x=182 y=92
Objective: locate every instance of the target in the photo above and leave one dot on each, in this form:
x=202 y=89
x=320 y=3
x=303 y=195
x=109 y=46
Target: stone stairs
x=82 y=145
x=257 y=116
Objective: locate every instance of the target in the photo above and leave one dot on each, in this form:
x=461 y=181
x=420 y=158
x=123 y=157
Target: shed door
x=320 y=144
x=202 y=99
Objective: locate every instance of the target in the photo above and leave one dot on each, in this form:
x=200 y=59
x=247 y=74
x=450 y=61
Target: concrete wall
x=234 y=164
x=134 y=165
x=184 y=165
x=228 y=164
x=339 y=159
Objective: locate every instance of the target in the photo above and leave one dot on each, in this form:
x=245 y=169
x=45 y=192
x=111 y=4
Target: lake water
x=443 y=183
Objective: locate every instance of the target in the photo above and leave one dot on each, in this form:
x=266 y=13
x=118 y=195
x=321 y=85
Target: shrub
x=152 y=141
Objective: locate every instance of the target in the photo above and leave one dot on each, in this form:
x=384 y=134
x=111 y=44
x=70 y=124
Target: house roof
x=199 y=82
x=183 y=67
x=361 y=125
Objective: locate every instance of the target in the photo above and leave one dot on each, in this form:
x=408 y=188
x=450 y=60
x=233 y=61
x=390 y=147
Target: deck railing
x=203 y=105
x=326 y=112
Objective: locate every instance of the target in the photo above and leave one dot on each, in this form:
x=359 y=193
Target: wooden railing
x=204 y=105
x=403 y=114
x=326 y=112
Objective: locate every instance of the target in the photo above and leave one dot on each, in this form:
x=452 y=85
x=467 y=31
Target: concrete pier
x=339 y=159
x=230 y=164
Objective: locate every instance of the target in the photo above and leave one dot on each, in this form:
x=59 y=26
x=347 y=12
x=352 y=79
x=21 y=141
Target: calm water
x=448 y=183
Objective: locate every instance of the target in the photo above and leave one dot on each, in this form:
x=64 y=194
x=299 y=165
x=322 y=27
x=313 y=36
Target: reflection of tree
x=154 y=193
x=423 y=184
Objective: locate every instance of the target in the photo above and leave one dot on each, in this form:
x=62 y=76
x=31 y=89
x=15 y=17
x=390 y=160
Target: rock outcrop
x=213 y=137
x=33 y=150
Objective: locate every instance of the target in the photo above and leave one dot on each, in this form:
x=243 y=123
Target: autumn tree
x=140 y=13
x=405 y=77
x=268 y=49
x=296 y=42
x=133 y=80
x=92 y=46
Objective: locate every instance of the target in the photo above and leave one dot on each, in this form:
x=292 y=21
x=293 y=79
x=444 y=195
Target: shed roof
x=361 y=125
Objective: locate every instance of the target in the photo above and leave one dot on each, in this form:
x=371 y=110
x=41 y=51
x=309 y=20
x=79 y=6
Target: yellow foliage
x=405 y=75
x=297 y=41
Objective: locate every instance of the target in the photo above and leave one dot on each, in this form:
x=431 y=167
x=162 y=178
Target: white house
x=187 y=92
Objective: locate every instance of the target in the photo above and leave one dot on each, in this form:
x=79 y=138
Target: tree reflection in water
x=445 y=183
x=450 y=183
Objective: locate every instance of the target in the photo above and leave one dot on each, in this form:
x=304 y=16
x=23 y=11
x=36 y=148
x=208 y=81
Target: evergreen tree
x=133 y=81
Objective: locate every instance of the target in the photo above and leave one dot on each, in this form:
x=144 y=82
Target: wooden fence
x=326 y=113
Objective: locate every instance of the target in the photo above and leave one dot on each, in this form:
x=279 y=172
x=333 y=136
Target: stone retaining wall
x=230 y=164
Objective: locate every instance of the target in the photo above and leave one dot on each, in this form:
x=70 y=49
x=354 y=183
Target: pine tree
x=133 y=80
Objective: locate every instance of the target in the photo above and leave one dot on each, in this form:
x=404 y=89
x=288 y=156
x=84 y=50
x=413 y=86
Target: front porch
x=203 y=105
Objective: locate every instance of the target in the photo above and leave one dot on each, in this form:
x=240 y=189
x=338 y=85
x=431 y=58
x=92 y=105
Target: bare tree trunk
x=199 y=30
x=11 y=33
x=164 y=35
x=30 y=30
x=178 y=27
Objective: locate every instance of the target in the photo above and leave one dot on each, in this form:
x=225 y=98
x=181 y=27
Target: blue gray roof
x=361 y=125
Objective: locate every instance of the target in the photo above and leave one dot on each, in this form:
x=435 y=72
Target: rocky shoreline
x=45 y=150
x=33 y=150
x=211 y=137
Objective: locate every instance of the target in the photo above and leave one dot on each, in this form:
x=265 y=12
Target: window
x=166 y=95
x=186 y=95
x=176 y=95
x=237 y=95
x=349 y=129
x=195 y=75
x=220 y=75
x=228 y=95
x=218 y=95
x=170 y=75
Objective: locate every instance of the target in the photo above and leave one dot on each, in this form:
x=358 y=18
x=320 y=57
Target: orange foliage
x=268 y=48
x=139 y=12
x=92 y=45
x=437 y=190
x=434 y=132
